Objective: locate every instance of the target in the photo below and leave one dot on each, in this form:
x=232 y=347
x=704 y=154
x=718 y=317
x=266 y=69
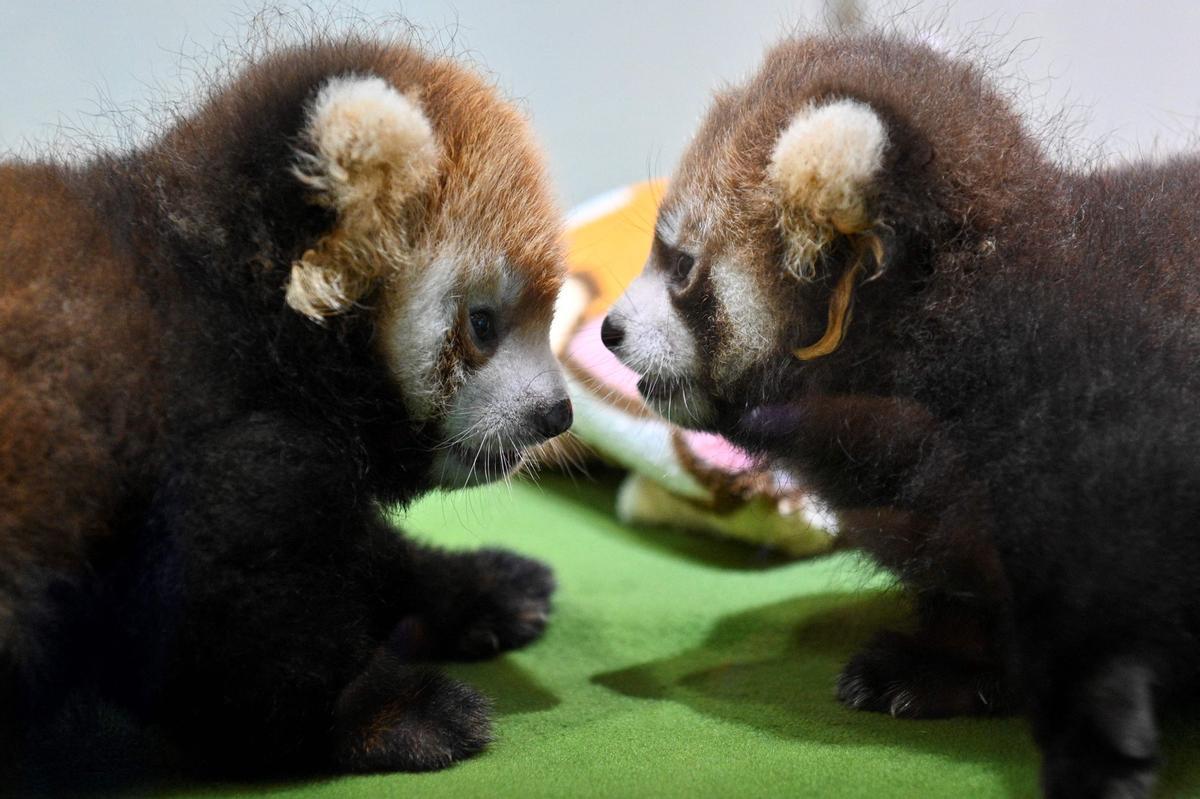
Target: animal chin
x=477 y=466
x=674 y=399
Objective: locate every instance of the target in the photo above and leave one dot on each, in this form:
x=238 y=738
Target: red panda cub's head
x=445 y=220
x=805 y=217
x=715 y=309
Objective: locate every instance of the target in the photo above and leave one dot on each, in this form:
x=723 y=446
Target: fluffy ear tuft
x=372 y=147
x=821 y=170
x=319 y=289
x=368 y=151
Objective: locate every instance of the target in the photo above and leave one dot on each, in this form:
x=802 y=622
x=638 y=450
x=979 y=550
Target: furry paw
x=895 y=675
x=400 y=718
x=509 y=608
x=493 y=601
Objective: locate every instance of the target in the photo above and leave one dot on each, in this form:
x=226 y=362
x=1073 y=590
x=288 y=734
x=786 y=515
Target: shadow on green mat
x=773 y=669
x=513 y=690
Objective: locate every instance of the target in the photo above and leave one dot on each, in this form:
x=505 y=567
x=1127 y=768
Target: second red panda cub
x=868 y=270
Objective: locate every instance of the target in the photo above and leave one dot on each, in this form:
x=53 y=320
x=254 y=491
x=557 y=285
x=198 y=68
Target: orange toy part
x=609 y=238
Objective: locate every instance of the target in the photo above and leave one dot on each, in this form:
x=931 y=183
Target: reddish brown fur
x=73 y=439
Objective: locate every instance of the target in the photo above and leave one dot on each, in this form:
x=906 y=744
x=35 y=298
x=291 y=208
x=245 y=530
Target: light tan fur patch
x=372 y=149
x=821 y=169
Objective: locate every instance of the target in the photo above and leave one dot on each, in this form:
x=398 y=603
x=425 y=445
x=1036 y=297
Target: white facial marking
x=417 y=330
x=660 y=347
x=487 y=416
x=752 y=323
x=656 y=339
x=667 y=227
x=491 y=421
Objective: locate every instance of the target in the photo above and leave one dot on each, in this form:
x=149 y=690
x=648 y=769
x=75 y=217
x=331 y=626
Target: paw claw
x=853 y=691
x=894 y=677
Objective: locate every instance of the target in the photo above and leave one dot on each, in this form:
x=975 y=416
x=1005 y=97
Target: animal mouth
x=676 y=400
x=660 y=389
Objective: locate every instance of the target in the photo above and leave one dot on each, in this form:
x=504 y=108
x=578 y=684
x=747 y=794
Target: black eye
x=483 y=326
x=680 y=265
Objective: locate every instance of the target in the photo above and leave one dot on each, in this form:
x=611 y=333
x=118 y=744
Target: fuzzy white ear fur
x=821 y=170
x=368 y=150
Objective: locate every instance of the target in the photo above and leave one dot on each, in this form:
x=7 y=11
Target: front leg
x=855 y=450
x=267 y=648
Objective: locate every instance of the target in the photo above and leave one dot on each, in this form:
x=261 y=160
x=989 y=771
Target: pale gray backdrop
x=614 y=86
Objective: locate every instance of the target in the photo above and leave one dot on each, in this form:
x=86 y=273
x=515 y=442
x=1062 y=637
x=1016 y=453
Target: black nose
x=554 y=419
x=611 y=333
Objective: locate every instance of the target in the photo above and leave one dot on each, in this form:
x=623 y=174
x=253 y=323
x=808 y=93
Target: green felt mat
x=680 y=666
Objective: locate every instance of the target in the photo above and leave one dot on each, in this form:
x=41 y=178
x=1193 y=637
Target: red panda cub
x=327 y=290
x=867 y=269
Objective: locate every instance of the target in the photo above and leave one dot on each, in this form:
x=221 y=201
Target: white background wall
x=614 y=86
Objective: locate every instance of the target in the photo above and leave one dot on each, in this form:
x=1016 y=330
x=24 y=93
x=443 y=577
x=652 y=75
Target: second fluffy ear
x=368 y=150
x=821 y=171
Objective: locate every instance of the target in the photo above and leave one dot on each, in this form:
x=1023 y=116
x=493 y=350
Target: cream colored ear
x=821 y=171
x=368 y=151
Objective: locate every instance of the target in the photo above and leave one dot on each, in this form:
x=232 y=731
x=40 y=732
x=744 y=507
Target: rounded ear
x=821 y=173
x=368 y=150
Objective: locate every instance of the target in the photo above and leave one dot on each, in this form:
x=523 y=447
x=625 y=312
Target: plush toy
x=677 y=478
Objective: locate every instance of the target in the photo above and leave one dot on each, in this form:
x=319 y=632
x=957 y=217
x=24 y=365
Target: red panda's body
x=867 y=269
x=327 y=290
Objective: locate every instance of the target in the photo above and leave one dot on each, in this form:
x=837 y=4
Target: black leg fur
x=901 y=675
x=286 y=591
x=1099 y=734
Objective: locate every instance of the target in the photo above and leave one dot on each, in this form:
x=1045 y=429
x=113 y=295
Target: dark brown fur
x=1009 y=424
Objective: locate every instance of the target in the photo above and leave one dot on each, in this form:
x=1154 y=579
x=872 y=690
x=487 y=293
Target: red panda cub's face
x=738 y=301
x=447 y=232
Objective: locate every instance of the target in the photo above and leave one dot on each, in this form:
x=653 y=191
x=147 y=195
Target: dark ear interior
x=868 y=254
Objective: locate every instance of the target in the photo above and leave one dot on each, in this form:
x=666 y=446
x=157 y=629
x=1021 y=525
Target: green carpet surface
x=678 y=666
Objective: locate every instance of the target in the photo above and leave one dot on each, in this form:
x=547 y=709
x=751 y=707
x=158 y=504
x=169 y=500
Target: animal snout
x=552 y=419
x=611 y=333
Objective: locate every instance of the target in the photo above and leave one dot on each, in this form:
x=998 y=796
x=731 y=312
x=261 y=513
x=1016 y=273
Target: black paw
x=483 y=603
x=400 y=718
x=894 y=674
x=508 y=608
